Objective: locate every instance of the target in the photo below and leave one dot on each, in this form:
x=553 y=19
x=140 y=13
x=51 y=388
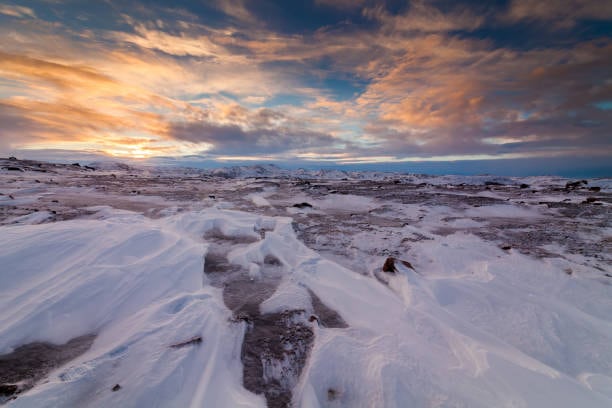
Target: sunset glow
x=320 y=80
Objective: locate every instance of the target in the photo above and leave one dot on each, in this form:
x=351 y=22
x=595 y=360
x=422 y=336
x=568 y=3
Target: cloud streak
x=564 y=14
x=17 y=11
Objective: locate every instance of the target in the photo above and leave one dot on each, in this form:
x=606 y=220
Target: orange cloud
x=181 y=45
x=70 y=103
x=64 y=76
x=426 y=18
x=16 y=11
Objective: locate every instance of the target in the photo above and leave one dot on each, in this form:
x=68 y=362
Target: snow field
x=473 y=326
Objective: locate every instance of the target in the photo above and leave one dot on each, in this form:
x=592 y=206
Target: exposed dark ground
x=29 y=363
x=276 y=345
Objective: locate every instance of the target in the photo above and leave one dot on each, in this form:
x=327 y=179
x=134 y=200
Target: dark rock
x=117 y=387
x=572 y=185
x=192 y=341
x=12 y=158
x=302 y=205
x=595 y=189
x=212 y=197
x=590 y=199
x=272 y=260
x=13 y=168
x=332 y=394
x=389 y=265
x=506 y=247
x=524 y=185
x=7 y=390
x=11 y=197
x=76 y=164
x=493 y=183
x=90 y=168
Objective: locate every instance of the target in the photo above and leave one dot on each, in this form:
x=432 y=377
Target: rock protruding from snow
x=389 y=265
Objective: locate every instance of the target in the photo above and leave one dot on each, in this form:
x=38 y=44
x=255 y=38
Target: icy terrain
x=257 y=286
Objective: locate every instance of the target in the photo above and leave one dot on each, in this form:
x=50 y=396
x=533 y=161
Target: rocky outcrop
x=573 y=185
x=302 y=205
x=389 y=265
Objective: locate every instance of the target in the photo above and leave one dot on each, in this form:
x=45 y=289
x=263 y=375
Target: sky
x=378 y=84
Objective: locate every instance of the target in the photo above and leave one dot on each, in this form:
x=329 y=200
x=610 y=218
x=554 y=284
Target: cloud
x=341 y=4
x=61 y=75
x=179 y=45
x=15 y=129
x=74 y=105
x=49 y=122
x=234 y=140
x=16 y=11
x=445 y=95
x=563 y=13
x=237 y=9
x=79 y=105
x=235 y=130
x=424 y=17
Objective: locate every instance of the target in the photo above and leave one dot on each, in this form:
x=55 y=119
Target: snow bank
x=472 y=326
x=138 y=285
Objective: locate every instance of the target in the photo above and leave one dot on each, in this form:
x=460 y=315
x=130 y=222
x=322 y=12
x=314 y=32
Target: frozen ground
x=256 y=286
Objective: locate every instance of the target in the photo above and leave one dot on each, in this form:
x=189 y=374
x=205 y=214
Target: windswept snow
x=508 y=303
